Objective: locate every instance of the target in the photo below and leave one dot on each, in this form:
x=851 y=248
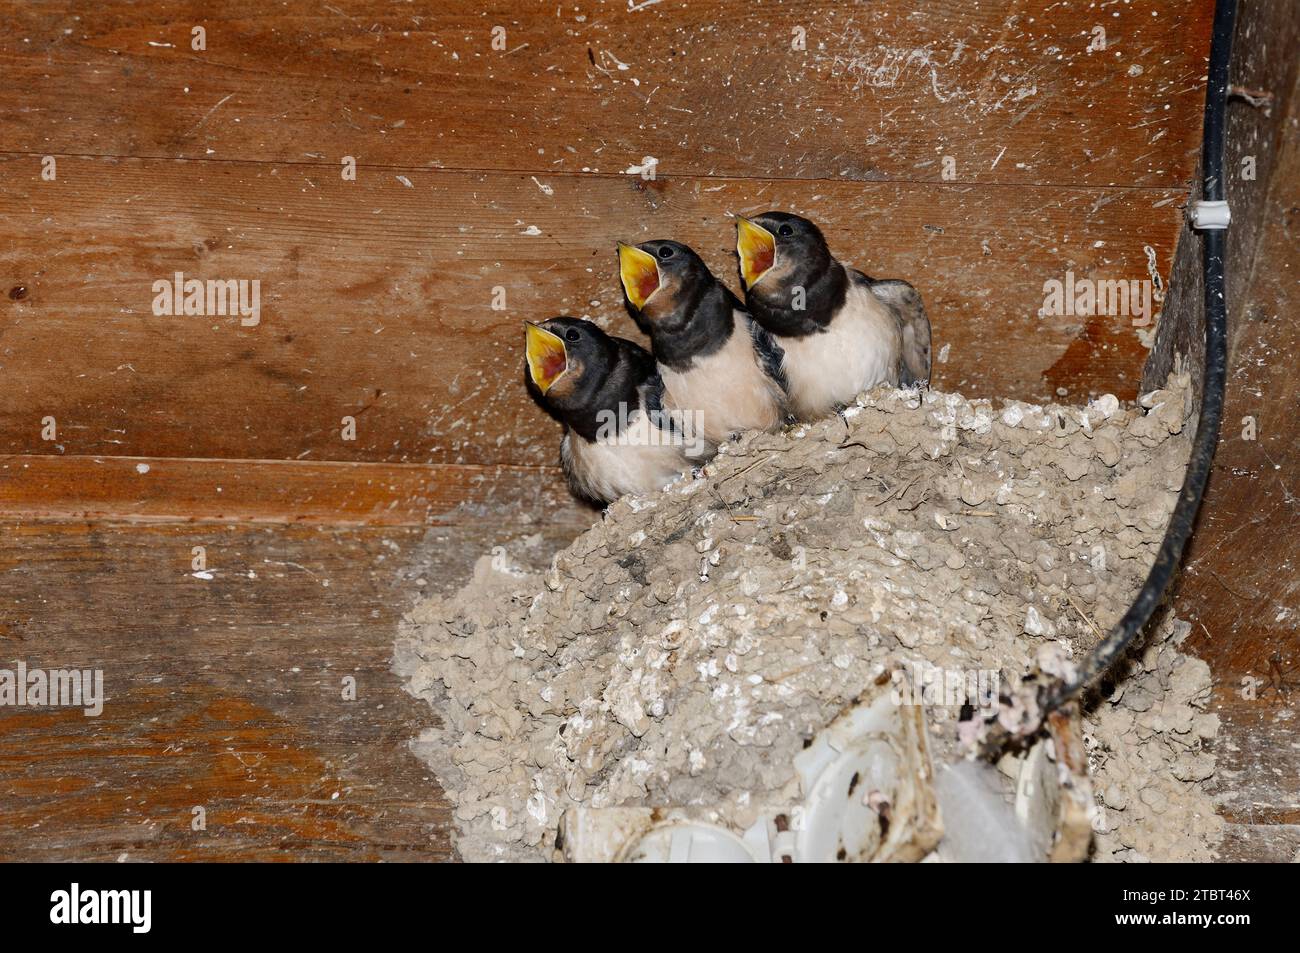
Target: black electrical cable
x=1183 y=519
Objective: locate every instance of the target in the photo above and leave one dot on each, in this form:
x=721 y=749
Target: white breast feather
x=728 y=387
x=859 y=350
x=638 y=460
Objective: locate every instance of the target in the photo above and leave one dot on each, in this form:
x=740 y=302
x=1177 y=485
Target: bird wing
x=770 y=355
x=909 y=310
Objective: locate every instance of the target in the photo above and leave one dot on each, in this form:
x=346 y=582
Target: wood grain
x=884 y=90
x=1241 y=585
x=514 y=169
x=377 y=298
x=170 y=489
x=225 y=163
x=223 y=693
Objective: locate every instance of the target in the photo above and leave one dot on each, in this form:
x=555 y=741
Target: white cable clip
x=1210 y=216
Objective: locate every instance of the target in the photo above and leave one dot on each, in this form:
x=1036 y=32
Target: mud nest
x=684 y=649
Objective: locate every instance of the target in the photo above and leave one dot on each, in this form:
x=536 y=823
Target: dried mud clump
x=683 y=650
x=1147 y=758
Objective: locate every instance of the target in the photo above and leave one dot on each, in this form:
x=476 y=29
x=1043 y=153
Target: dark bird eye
x=572 y=334
x=666 y=252
x=785 y=231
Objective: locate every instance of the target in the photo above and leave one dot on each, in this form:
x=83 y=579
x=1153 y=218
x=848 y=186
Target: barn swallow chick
x=607 y=393
x=840 y=331
x=719 y=368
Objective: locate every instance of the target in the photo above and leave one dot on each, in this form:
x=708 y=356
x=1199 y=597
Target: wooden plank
x=1241 y=584
x=171 y=489
x=223 y=693
x=1262 y=66
x=377 y=298
x=1015 y=93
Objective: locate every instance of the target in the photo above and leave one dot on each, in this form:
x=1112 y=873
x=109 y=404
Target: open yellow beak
x=640 y=274
x=547 y=359
x=757 y=249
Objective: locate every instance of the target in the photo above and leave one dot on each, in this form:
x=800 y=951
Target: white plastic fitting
x=1210 y=216
x=684 y=842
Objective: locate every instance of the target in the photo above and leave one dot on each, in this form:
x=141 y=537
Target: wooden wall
x=482 y=168
x=1239 y=582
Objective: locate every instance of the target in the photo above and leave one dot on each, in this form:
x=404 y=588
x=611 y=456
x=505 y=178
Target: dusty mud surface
x=1146 y=756
x=684 y=649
